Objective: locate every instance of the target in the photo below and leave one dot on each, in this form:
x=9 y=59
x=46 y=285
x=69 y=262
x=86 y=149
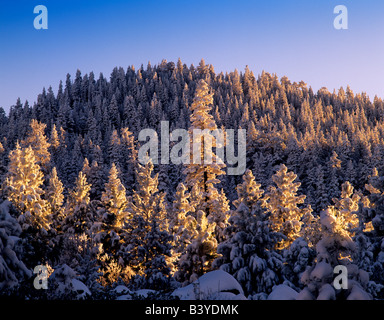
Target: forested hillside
x=77 y=200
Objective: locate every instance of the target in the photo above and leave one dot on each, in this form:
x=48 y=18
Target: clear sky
x=292 y=38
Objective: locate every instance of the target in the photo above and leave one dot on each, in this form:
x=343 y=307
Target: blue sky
x=292 y=38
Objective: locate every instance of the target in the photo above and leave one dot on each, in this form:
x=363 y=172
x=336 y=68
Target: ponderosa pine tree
x=199 y=172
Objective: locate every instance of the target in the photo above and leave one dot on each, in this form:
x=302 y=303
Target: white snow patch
x=216 y=284
x=144 y=292
x=322 y=271
x=127 y=294
x=124 y=297
x=80 y=288
x=326 y=292
x=357 y=293
x=120 y=289
x=283 y=292
x=305 y=294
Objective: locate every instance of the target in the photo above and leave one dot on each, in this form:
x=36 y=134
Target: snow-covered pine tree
x=200 y=253
x=333 y=176
x=113 y=110
x=282 y=204
x=180 y=224
x=114 y=198
x=55 y=198
x=180 y=219
x=198 y=172
x=147 y=240
x=156 y=251
x=23 y=189
x=78 y=216
x=76 y=245
x=114 y=150
x=78 y=253
x=335 y=248
x=129 y=111
x=129 y=158
x=220 y=212
x=3 y=161
x=248 y=253
x=164 y=183
x=146 y=198
x=12 y=269
x=60 y=156
x=108 y=229
x=37 y=139
x=321 y=194
x=374 y=213
x=54 y=139
x=202 y=119
x=113 y=214
x=348 y=205
x=95 y=177
x=370 y=243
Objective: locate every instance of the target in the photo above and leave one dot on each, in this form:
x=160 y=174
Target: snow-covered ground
x=214 y=285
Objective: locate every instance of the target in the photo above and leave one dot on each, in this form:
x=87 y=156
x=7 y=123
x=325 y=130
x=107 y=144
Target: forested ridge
x=78 y=201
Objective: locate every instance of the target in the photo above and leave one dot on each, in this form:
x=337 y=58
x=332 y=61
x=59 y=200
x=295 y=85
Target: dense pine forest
x=76 y=200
